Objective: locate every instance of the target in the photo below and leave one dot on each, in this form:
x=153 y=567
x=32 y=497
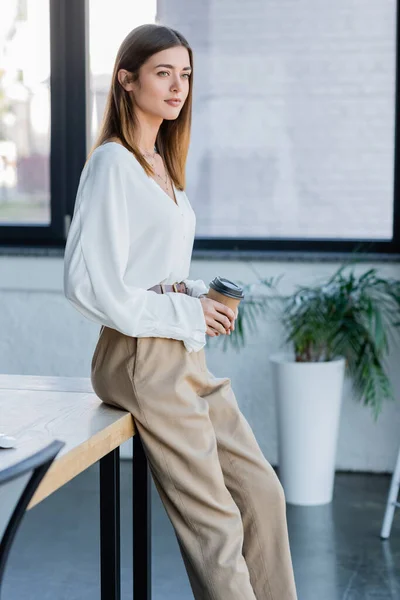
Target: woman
x=127 y=259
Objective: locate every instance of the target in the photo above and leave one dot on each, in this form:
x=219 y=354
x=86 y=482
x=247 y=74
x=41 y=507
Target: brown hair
x=119 y=120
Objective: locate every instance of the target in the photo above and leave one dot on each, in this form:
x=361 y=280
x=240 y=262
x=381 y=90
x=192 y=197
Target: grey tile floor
x=337 y=552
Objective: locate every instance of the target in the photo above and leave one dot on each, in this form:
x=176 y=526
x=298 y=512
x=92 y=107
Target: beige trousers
x=222 y=496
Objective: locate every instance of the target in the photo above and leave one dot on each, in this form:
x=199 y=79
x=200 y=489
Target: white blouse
x=127 y=235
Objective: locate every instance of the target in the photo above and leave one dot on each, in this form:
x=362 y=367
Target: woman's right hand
x=219 y=318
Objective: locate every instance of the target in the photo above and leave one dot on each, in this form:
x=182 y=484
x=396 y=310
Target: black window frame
x=68 y=150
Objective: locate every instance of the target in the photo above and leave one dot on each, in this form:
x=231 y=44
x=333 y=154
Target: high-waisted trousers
x=222 y=496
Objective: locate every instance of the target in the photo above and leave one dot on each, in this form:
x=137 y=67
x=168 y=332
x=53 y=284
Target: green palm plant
x=348 y=315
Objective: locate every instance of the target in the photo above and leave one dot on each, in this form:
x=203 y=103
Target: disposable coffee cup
x=225 y=291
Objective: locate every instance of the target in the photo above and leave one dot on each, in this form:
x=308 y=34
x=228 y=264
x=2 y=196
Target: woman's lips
x=173 y=102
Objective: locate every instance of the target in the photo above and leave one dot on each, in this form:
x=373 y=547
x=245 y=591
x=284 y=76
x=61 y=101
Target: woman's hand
x=219 y=318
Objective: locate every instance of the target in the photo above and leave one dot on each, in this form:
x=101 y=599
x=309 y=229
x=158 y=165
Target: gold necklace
x=152 y=155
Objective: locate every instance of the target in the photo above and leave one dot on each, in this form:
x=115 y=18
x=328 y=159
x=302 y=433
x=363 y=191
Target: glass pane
x=293 y=119
x=119 y=20
x=25 y=112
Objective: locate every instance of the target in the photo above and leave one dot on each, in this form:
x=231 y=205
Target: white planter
x=308 y=401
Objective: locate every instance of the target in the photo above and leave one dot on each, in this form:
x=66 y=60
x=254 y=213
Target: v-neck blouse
x=126 y=235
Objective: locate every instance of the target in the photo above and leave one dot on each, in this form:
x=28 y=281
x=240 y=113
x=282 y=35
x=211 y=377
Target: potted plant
x=340 y=325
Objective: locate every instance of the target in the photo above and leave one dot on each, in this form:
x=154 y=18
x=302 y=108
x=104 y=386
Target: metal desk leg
x=141 y=522
x=110 y=568
x=392 y=503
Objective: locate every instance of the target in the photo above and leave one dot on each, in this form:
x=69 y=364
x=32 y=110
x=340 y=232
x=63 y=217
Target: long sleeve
x=96 y=258
x=196 y=287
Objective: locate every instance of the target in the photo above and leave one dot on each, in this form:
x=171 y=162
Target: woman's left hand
x=232 y=327
x=233 y=322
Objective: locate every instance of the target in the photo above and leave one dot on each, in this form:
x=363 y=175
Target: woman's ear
x=125 y=79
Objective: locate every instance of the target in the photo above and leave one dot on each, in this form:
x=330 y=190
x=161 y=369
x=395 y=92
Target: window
x=293 y=142
x=25 y=113
x=41 y=49
x=293 y=125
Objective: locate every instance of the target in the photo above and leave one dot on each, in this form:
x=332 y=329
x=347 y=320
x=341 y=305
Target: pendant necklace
x=151 y=156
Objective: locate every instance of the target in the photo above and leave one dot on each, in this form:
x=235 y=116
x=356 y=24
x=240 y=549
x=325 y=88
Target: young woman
x=127 y=260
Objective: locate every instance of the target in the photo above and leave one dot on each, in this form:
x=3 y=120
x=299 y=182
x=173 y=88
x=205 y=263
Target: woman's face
x=162 y=77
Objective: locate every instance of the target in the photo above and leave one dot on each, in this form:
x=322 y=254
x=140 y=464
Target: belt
x=163 y=288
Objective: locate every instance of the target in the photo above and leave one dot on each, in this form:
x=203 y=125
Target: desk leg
x=110 y=527
x=141 y=522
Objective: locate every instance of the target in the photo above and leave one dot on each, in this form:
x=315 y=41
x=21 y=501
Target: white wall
x=41 y=333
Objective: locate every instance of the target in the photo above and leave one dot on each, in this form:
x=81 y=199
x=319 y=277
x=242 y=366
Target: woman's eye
x=187 y=75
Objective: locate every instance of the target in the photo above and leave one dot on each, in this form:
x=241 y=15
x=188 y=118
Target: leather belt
x=163 y=288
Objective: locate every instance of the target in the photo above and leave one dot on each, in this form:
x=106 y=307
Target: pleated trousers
x=222 y=496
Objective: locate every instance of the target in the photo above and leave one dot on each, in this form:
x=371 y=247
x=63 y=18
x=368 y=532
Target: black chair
x=18 y=484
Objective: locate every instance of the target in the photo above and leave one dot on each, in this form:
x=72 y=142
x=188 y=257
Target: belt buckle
x=175 y=287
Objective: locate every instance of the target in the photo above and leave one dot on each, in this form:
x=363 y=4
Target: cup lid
x=227 y=287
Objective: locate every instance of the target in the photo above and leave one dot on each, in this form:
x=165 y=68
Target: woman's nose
x=176 y=84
